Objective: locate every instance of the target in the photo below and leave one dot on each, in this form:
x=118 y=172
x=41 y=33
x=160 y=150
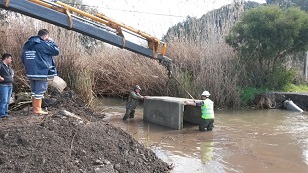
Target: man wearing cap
x=207 y=111
x=132 y=102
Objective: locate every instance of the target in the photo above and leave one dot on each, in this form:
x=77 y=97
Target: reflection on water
x=206 y=150
x=242 y=141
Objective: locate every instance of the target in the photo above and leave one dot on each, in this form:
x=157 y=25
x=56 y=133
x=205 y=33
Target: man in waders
x=207 y=111
x=132 y=102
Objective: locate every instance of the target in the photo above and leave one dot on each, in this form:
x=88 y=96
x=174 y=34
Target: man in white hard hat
x=207 y=111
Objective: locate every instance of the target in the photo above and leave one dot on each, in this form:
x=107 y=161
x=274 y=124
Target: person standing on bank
x=37 y=57
x=207 y=111
x=6 y=84
x=132 y=102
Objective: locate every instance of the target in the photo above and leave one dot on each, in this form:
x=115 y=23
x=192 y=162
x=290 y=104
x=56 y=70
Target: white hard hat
x=206 y=93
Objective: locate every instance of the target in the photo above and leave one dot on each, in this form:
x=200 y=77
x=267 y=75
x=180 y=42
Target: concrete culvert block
x=168 y=111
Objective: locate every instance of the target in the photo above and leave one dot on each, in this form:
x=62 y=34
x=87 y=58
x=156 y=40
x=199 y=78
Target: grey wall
x=170 y=111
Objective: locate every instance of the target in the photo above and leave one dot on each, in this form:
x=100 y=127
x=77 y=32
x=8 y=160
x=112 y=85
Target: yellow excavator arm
x=97 y=26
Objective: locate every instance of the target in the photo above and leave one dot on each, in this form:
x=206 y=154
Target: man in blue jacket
x=37 y=57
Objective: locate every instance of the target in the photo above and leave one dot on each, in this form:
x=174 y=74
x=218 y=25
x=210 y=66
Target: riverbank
x=275 y=99
x=71 y=139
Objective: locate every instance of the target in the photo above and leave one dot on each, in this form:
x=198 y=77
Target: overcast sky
x=155 y=16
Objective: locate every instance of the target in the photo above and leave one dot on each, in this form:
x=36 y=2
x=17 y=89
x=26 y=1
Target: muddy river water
x=254 y=141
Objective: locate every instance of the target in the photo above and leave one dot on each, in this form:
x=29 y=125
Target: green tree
x=303 y=4
x=266 y=36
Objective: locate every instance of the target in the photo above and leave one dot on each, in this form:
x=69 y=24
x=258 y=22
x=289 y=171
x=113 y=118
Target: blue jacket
x=37 y=56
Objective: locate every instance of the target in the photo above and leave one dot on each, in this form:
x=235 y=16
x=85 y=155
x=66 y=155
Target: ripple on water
x=242 y=140
x=184 y=164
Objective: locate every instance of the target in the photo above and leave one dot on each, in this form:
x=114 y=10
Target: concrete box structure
x=170 y=111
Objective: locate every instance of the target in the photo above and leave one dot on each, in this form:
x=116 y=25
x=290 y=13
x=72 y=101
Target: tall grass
x=116 y=71
x=206 y=67
x=110 y=71
x=15 y=31
x=106 y=70
x=203 y=61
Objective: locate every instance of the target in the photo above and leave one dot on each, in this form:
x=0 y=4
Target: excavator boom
x=96 y=26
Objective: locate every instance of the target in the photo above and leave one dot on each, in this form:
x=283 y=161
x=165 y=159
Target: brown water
x=254 y=141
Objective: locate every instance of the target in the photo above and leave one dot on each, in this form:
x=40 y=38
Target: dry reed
x=203 y=61
x=16 y=30
x=110 y=71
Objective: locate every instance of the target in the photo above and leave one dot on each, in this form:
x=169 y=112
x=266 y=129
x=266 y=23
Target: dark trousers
x=130 y=113
x=206 y=124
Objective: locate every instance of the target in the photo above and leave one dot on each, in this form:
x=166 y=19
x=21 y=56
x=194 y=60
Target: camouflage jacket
x=133 y=100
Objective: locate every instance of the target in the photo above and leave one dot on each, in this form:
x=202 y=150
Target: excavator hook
x=167 y=63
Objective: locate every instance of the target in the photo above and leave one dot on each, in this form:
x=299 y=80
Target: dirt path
x=61 y=142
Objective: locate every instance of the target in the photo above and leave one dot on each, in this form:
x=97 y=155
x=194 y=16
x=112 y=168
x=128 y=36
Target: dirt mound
x=64 y=143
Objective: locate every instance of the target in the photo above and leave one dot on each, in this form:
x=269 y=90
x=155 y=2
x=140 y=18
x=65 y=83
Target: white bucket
x=58 y=83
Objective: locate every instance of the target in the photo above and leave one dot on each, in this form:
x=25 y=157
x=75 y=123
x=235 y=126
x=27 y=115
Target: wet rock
x=131 y=163
x=105 y=169
x=140 y=160
x=77 y=162
x=47 y=102
x=171 y=166
x=2 y=161
x=69 y=114
x=97 y=170
x=117 y=167
x=98 y=162
x=83 y=153
x=106 y=162
x=4 y=136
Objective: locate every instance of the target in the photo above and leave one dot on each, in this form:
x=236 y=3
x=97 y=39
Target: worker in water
x=207 y=111
x=132 y=102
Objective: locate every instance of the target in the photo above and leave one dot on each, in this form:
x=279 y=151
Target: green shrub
x=279 y=78
x=248 y=94
x=295 y=88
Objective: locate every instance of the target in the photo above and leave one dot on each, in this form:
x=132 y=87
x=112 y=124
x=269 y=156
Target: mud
x=61 y=143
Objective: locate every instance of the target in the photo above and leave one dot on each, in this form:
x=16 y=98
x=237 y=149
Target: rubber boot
x=127 y=113
x=36 y=104
x=125 y=117
x=132 y=114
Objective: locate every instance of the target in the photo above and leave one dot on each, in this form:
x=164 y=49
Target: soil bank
x=71 y=139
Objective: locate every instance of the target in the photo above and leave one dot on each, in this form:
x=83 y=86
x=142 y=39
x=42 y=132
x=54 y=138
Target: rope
x=182 y=87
